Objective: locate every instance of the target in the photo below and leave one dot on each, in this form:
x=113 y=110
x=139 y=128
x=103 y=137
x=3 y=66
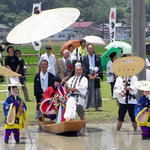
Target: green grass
x=28 y=49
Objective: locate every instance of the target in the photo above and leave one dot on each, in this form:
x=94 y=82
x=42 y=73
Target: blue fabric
x=6 y=106
x=143 y=102
x=91 y=61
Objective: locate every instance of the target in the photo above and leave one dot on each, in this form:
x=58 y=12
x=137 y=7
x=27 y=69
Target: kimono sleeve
x=82 y=87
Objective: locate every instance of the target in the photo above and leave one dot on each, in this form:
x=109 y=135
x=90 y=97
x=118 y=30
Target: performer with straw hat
x=15 y=112
x=142 y=109
x=124 y=90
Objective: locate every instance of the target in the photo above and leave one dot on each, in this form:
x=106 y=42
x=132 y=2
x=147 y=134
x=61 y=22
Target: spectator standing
x=65 y=65
x=50 y=58
x=11 y=62
x=2 y=48
x=78 y=54
x=21 y=71
x=110 y=76
x=92 y=69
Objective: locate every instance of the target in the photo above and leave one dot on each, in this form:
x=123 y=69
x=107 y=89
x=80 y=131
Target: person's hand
x=128 y=88
x=122 y=94
x=16 y=104
x=39 y=104
x=42 y=94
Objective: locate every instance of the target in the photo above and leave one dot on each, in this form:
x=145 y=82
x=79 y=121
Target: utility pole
x=138 y=32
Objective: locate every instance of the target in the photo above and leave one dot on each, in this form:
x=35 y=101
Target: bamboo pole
x=56 y=58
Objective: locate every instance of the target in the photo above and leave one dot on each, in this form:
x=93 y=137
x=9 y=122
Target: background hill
x=13 y=12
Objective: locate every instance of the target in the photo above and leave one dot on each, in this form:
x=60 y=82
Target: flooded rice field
x=94 y=137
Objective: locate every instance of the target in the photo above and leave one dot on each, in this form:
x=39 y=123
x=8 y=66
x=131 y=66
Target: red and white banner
x=112 y=24
x=36 y=10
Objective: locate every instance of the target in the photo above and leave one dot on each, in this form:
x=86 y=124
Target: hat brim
x=143 y=85
x=18 y=85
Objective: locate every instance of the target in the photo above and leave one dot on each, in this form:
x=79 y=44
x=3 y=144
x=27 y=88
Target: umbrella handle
x=56 y=58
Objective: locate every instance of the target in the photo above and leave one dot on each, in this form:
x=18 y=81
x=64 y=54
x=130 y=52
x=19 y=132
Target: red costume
x=51 y=100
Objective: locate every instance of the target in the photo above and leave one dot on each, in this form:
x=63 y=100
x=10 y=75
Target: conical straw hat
x=143 y=85
x=6 y=72
x=128 y=66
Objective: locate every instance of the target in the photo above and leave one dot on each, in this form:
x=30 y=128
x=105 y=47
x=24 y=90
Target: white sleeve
x=82 y=87
x=69 y=81
x=134 y=89
x=109 y=67
x=73 y=55
x=41 y=58
x=118 y=88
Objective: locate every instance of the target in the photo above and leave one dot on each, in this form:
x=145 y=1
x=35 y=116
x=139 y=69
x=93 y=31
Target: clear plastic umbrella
x=42 y=25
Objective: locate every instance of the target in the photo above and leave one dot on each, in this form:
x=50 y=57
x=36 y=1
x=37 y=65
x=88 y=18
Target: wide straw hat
x=128 y=66
x=143 y=85
x=6 y=72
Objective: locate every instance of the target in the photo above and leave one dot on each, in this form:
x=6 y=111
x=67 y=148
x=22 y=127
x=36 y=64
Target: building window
x=61 y=35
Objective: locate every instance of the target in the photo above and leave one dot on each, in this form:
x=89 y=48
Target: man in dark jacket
x=42 y=81
x=92 y=69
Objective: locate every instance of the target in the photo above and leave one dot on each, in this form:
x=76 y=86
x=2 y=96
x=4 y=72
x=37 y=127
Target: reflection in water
x=106 y=138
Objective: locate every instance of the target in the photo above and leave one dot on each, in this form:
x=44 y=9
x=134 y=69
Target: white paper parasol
x=43 y=25
x=94 y=39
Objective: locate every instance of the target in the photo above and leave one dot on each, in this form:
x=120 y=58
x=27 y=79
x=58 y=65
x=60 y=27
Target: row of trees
x=13 y=12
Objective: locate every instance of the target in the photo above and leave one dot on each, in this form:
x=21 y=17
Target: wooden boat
x=73 y=126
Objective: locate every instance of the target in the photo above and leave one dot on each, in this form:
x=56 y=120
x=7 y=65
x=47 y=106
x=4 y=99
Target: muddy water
x=97 y=138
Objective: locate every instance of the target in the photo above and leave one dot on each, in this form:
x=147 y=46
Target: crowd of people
x=60 y=96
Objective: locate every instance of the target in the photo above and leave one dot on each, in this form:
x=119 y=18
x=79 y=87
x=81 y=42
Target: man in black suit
x=42 y=81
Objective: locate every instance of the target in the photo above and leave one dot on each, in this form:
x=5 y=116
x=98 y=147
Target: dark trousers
x=8 y=133
x=112 y=87
x=123 y=108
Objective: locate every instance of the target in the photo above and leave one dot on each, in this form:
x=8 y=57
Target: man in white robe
x=77 y=87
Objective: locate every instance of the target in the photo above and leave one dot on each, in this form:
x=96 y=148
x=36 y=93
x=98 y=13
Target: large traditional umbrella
x=105 y=57
x=42 y=25
x=118 y=44
x=74 y=43
x=94 y=39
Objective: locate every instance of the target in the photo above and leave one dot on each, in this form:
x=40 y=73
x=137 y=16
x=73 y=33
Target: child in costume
x=142 y=109
x=14 y=121
x=54 y=100
x=125 y=91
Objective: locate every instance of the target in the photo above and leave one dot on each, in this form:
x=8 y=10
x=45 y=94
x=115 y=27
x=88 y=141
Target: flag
x=112 y=24
x=36 y=10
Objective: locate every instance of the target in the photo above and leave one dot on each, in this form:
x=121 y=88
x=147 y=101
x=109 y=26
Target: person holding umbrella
x=110 y=76
x=79 y=53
